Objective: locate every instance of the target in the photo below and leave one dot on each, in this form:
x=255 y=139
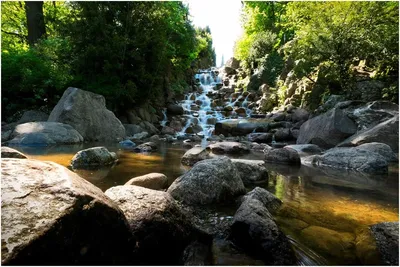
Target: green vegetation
x=130 y=52
x=322 y=42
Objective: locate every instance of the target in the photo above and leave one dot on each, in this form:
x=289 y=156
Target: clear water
x=323 y=211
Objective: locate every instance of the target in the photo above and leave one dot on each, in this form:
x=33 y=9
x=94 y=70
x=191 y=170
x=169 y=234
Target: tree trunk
x=35 y=21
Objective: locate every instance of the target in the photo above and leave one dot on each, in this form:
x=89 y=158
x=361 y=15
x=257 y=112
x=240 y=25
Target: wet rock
x=251 y=171
x=132 y=129
x=353 y=159
x=326 y=130
x=146 y=147
x=127 y=144
x=51 y=216
x=154 y=138
x=155 y=181
x=269 y=200
x=279 y=116
x=5 y=135
x=173 y=109
x=194 y=155
x=306 y=149
x=197 y=254
x=95 y=156
x=258 y=147
x=282 y=155
x=78 y=107
x=209 y=181
x=386 y=132
x=260 y=137
x=382 y=149
x=300 y=114
x=241 y=111
x=155 y=221
x=140 y=136
x=168 y=130
x=44 y=134
x=33 y=115
x=386 y=235
x=228 y=108
x=254 y=230
x=330 y=243
x=282 y=134
x=227 y=147
x=7 y=152
x=239 y=127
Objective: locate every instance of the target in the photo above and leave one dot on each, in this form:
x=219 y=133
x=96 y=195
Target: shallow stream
x=325 y=213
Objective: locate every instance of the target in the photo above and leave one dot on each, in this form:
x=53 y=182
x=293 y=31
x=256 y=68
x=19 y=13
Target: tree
x=35 y=21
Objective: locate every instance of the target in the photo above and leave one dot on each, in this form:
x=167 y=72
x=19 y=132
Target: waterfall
x=165 y=120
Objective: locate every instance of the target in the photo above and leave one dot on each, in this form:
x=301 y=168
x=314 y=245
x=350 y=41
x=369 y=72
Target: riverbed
x=325 y=212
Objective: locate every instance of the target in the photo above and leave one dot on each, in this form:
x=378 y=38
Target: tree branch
x=23 y=37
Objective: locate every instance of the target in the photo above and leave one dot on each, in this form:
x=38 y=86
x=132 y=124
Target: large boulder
x=51 y=216
x=194 y=155
x=92 y=157
x=87 y=113
x=44 y=134
x=227 y=147
x=209 y=181
x=386 y=132
x=326 y=130
x=33 y=115
x=251 y=171
x=386 y=235
x=174 y=109
x=254 y=230
x=300 y=114
x=305 y=149
x=7 y=152
x=282 y=155
x=155 y=181
x=160 y=228
x=233 y=63
x=241 y=126
x=352 y=158
x=382 y=149
x=269 y=200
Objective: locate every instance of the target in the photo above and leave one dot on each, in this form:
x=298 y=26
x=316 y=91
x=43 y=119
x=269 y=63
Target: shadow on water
x=323 y=212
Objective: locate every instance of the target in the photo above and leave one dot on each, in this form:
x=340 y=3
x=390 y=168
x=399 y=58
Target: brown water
x=326 y=213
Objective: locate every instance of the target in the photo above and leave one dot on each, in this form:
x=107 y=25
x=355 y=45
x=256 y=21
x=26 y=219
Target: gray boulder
x=227 y=147
x=305 y=149
x=44 y=134
x=254 y=230
x=146 y=147
x=386 y=132
x=156 y=222
x=282 y=155
x=352 y=158
x=7 y=152
x=269 y=200
x=381 y=149
x=194 y=155
x=33 y=115
x=87 y=113
x=209 y=181
x=326 y=130
x=92 y=157
x=173 y=109
x=51 y=216
x=300 y=114
x=386 y=235
x=155 y=181
x=251 y=171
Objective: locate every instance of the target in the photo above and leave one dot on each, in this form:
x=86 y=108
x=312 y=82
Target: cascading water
x=165 y=119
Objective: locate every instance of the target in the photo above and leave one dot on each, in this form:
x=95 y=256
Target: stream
x=323 y=211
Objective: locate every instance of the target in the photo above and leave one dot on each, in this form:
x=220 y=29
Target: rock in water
x=352 y=158
x=282 y=155
x=229 y=148
x=386 y=235
x=382 y=149
x=91 y=157
x=155 y=181
x=44 y=134
x=326 y=130
x=87 y=113
x=194 y=155
x=51 y=216
x=209 y=181
x=160 y=228
x=254 y=230
x=251 y=171
x=7 y=152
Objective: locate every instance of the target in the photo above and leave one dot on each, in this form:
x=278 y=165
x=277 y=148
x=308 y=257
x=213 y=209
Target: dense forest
x=327 y=45
x=130 y=52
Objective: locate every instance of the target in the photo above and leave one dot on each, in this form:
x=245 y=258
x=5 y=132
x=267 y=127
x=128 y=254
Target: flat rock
x=194 y=155
x=44 y=134
x=155 y=181
x=306 y=148
x=51 y=216
x=227 y=147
